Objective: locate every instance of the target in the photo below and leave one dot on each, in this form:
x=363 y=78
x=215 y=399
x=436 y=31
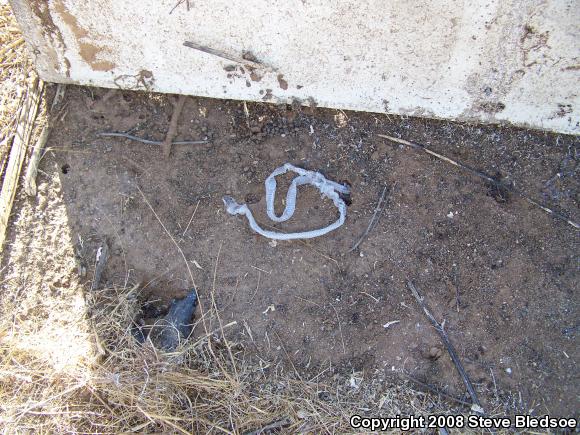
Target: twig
x=261 y=270
x=275 y=425
x=179 y=3
x=200 y=304
x=27 y=117
x=100 y=262
x=10 y=46
x=391 y=323
x=370 y=296
x=288 y=356
x=476 y=406
x=32 y=170
x=247 y=113
x=151 y=142
x=257 y=286
x=169 y=234
x=484 y=176
x=436 y=390
x=217 y=313
x=224 y=55
x=494 y=383
x=190 y=219
x=172 y=130
x=372 y=222
x=50 y=399
x=339 y=329
x=456 y=289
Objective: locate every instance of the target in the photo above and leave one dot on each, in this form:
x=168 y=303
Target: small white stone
x=273 y=243
x=450 y=215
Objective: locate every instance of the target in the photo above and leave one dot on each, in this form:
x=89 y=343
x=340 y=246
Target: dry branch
x=100 y=263
x=151 y=142
x=24 y=128
x=224 y=55
x=32 y=170
x=372 y=222
x=482 y=175
x=172 y=131
x=476 y=406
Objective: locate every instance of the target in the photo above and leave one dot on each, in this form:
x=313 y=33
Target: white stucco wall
x=485 y=60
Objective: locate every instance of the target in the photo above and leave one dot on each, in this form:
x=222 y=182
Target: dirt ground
x=501 y=272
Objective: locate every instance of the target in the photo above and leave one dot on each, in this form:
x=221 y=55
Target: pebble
x=435 y=352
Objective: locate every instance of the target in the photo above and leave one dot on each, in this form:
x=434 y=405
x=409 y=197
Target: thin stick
x=484 y=176
x=372 y=222
x=180 y=251
x=436 y=390
x=172 y=130
x=166 y=420
x=27 y=117
x=257 y=286
x=261 y=270
x=10 y=46
x=223 y=55
x=100 y=263
x=152 y=142
x=476 y=407
x=339 y=329
x=190 y=219
x=275 y=425
x=169 y=234
x=50 y=399
x=217 y=313
x=288 y=356
x=32 y=170
x=177 y=4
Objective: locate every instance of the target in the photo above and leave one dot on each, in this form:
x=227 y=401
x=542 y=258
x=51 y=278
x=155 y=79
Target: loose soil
x=502 y=273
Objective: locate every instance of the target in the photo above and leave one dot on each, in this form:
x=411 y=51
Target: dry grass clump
x=119 y=385
x=207 y=386
x=14 y=69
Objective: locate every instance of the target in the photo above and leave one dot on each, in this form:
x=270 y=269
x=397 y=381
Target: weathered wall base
x=515 y=61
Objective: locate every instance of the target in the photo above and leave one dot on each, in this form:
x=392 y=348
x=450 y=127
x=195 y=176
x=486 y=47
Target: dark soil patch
x=502 y=273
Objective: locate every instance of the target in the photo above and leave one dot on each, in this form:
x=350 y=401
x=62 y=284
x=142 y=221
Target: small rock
x=434 y=353
x=301 y=414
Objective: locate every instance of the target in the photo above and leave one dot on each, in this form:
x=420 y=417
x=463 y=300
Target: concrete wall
x=484 y=60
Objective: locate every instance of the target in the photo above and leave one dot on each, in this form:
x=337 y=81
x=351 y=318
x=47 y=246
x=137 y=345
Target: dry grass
x=118 y=385
x=69 y=362
x=14 y=69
